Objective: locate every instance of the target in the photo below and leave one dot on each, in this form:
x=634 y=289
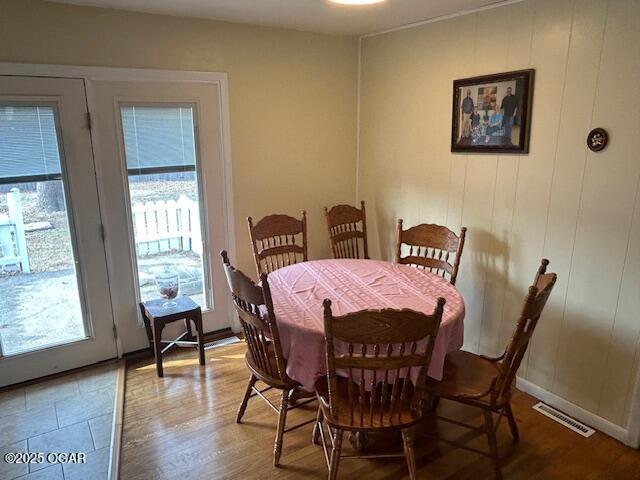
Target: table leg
x=157 y=343
x=187 y=324
x=432 y=402
x=198 y=321
x=298 y=394
x=359 y=441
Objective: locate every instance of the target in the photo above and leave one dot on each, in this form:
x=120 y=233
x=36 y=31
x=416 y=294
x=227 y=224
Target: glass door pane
x=41 y=301
x=163 y=174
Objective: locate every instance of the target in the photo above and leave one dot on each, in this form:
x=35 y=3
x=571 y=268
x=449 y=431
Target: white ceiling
x=310 y=15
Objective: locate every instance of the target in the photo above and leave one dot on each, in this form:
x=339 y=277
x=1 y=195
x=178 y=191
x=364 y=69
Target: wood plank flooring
x=183 y=427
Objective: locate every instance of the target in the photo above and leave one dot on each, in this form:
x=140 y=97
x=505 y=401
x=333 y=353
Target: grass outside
x=153 y=191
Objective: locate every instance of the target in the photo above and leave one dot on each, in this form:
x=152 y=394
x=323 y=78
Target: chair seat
x=466 y=375
x=378 y=419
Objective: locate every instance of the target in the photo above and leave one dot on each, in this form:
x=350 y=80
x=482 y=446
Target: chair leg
x=335 y=455
x=493 y=443
x=147 y=327
x=513 y=426
x=318 y=426
x=282 y=418
x=245 y=400
x=407 y=441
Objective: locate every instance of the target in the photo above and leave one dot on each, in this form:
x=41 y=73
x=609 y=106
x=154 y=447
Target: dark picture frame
x=492 y=113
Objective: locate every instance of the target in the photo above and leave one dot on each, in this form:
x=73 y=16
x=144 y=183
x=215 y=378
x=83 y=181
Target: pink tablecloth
x=352 y=285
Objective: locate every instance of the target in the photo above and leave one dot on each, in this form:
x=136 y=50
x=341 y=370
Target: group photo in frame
x=492 y=113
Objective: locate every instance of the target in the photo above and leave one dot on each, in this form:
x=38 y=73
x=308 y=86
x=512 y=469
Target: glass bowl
x=168 y=283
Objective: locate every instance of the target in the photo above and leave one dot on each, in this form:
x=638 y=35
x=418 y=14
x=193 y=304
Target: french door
x=158 y=145
x=94 y=207
x=55 y=307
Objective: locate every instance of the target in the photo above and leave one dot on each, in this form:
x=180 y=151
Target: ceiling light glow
x=356 y=2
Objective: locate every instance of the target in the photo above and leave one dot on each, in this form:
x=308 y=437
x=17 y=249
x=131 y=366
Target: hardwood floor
x=183 y=427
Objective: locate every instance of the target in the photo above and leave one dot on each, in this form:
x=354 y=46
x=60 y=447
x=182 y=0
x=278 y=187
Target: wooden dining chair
x=347 y=227
x=384 y=382
x=278 y=241
x=431 y=247
x=264 y=356
x=487 y=383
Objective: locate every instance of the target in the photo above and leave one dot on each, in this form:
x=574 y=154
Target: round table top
x=299 y=290
x=352 y=285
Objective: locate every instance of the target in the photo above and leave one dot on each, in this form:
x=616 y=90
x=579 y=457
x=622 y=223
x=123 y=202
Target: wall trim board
x=89 y=73
x=111 y=73
x=591 y=419
x=633 y=427
x=499 y=3
x=358 y=88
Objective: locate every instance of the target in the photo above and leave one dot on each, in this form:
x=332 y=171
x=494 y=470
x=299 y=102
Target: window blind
x=158 y=139
x=28 y=144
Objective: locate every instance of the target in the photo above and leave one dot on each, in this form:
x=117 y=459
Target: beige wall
x=578 y=208
x=292 y=100
x=292 y=95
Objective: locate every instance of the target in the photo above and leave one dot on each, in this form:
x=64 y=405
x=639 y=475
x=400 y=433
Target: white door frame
x=220 y=79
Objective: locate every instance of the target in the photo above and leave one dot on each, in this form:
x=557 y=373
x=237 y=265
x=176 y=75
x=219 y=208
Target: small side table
x=156 y=316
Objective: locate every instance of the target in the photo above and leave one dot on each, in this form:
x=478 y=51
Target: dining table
x=352 y=285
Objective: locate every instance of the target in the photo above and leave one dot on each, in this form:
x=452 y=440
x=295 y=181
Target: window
x=40 y=299
x=162 y=167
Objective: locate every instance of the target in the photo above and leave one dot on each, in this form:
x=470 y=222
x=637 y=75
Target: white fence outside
x=159 y=227
x=166 y=226
x=13 y=243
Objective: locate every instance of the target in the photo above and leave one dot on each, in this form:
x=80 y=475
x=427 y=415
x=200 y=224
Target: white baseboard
x=589 y=418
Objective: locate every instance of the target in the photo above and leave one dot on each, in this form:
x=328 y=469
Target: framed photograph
x=492 y=113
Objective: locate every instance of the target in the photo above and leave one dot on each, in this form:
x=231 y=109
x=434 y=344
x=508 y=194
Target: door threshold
x=52 y=376
x=117 y=426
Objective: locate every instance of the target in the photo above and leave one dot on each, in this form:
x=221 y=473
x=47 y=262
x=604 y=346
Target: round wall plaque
x=597 y=139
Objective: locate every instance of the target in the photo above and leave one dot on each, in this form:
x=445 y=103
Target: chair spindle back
x=431 y=247
x=254 y=306
x=534 y=304
x=278 y=241
x=379 y=350
x=347 y=227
